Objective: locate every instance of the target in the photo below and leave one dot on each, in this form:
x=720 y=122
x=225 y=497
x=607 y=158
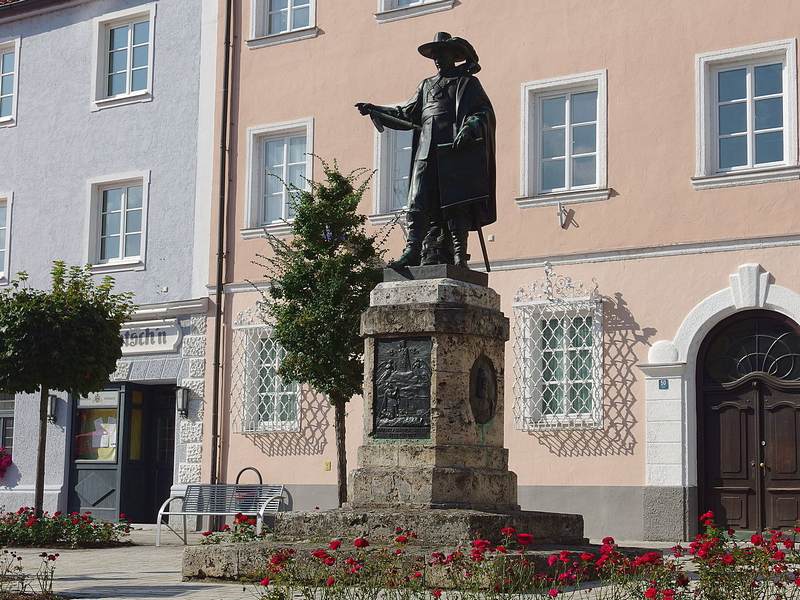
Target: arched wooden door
x=748 y=394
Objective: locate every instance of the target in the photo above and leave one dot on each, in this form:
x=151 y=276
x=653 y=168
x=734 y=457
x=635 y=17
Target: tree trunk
x=341 y=451
x=38 y=502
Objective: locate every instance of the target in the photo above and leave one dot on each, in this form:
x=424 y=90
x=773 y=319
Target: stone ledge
x=434 y=291
x=418 y=319
x=435 y=527
x=437 y=272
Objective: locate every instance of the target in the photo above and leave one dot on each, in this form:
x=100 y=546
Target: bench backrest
x=232 y=498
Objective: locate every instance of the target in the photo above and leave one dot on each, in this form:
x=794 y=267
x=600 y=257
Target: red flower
x=329 y=561
x=360 y=542
x=553 y=592
x=728 y=559
x=778 y=555
x=206 y=533
x=508 y=531
x=608 y=541
x=320 y=554
x=651 y=592
x=706 y=517
x=330 y=581
x=265 y=581
x=334 y=544
x=481 y=545
x=524 y=539
x=501 y=549
x=756 y=539
x=436 y=593
x=416 y=575
x=587 y=556
x=401 y=539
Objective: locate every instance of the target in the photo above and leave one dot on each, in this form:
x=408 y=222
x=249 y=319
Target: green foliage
x=321 y=282
x=66 y=338
x=24 y=528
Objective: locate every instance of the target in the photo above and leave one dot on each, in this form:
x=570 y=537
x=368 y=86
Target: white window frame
x=707 y=65
x=102 y=25
x=7 y=198
x=256 y=136
x=11 y=120
x=384 y=169
x=388 y=10
x=96 y=187
x=532 y=94
x=529 y=398
x=259 y=26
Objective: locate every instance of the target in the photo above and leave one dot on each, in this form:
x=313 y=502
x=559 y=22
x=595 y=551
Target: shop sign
x=151 y=337
x=104 y=399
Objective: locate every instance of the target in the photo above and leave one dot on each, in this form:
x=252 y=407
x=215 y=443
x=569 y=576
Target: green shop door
x=122 y=452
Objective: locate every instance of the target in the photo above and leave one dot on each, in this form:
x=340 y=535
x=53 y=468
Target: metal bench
x=224 y=499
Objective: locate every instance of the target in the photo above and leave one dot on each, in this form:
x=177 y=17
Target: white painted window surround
x=122 y=65
x=745 y=60
x=538 y=128
x=275 y=22
x=130 y=222
x=6 y=201
x=394 y=10
x=393 y=166
x=259 y=140
x=670 y=372
x=9 y=81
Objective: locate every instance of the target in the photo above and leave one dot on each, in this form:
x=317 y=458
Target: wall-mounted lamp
x=182 y=401
x=52 y=408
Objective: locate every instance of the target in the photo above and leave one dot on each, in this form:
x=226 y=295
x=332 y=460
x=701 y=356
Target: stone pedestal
x=433 y=458
x=433 y=395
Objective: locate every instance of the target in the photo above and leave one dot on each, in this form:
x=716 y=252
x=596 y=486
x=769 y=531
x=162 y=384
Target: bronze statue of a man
x=453 y=140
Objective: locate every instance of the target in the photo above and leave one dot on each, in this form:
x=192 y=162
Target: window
x=9 y=59
x=118 y=222
x=394 y=169
x=564 y=140
x=265 y=401
x=391 y=10
x=282 y=21
x=747 y=127
x=7 y=403
x=5 y=227
x=125 y=57
x=280 y=163
x=558 y=356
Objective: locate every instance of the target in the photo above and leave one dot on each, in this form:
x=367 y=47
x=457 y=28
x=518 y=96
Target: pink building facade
x=645 y=248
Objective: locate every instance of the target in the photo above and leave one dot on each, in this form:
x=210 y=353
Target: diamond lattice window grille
x=262 y=401
x=558 y=355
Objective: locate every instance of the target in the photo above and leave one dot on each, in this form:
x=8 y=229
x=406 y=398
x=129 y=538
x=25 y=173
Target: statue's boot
x=461 y=258
x=410 y=257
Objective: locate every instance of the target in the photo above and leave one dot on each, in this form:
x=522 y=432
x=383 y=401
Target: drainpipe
x=221 y=222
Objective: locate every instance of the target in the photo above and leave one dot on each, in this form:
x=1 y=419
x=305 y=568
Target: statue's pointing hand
x=364 y=107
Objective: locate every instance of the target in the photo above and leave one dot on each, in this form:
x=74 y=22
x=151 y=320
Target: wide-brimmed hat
x=461 y=48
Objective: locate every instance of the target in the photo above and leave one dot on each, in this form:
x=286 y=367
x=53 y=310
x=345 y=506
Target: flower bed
x=714 y=567
x=74 y=530
x=243 y=530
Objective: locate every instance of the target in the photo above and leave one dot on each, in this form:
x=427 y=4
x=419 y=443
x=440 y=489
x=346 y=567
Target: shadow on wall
x=622 y=336
x=12 y=477
x=309 y=440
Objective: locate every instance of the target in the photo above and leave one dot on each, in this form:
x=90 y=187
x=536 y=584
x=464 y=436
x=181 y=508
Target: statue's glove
x=468 y=133
x=364 y=107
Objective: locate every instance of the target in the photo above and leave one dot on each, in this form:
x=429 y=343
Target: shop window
x=95 y=436
x=7 y=403
x=394 y=169
x=265 y=402
x=558 y=360
x=746 y=121
x=124 y=57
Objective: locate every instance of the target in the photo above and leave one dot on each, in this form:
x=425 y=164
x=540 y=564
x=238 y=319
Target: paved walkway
x=140 y=571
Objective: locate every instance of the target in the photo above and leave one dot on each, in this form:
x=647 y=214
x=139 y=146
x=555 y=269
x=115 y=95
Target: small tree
x=320 y=285
x=67 y=338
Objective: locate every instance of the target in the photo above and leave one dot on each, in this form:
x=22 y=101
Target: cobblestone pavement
x=141 y=571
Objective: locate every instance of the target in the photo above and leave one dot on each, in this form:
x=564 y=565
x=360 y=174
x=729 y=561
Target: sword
x=483 y=249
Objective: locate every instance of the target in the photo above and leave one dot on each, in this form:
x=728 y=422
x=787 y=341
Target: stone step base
x=393 y=455
x=440 y=487
x=434 y=527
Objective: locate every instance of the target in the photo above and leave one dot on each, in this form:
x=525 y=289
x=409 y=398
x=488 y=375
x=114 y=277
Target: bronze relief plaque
x=402 y=388
x=483 y=390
